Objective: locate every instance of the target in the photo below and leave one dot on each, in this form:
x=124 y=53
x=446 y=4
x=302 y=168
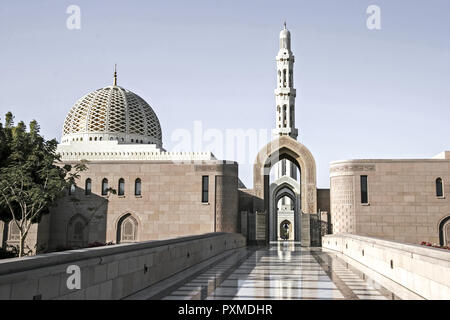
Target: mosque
x=135 y=190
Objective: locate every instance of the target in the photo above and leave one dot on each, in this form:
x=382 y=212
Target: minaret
x=285 y=102
x=285 y=92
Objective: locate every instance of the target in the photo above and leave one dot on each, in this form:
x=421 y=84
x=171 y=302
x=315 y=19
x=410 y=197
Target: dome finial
x=115 y=74
x=285 y=24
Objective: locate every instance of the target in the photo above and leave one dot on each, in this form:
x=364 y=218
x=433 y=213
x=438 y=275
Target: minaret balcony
x=292 y=132
x=291 y=91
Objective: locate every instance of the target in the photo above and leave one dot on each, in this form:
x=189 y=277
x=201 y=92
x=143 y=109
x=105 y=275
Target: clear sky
x=360 y=93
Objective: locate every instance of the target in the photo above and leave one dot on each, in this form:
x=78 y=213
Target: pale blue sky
x=360 y=93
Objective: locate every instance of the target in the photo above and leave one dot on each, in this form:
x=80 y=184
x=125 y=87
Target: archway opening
x=284 y=147
x=285 y=228
x=444 y=232
x=284 y=197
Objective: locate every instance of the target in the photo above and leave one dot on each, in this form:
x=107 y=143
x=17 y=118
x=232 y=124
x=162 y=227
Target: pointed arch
x=77 y=232
x=444 y=231
x=284 y=147
x=127 y=229
x=13 y=233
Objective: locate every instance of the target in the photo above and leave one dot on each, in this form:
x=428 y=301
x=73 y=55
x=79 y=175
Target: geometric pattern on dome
x=112 y=109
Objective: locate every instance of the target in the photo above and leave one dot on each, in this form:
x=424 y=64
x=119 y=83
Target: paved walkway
x=282 y=271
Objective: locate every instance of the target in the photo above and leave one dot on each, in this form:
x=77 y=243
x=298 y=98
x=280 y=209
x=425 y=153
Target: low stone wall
x=423 y=270
x=110 y=272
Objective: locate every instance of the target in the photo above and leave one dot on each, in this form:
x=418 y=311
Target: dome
x=285 y=33
x=112 y=113
x=285 y=38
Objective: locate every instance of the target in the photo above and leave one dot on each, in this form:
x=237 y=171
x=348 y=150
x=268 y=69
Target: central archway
x=285 y=147
x=284 y=187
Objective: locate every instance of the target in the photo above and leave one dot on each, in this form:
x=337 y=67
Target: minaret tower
x=285 y=104
x=285 y=92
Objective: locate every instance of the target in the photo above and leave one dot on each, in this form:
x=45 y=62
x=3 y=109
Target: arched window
x=72 y=189
x=127 y=229
x=137 y=187
x=76 y=232
x=88 y=186
x=104 y=187
x=439 y=188
x=121 y=187
x=13 y=232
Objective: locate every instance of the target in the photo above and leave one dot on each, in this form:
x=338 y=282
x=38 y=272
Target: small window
x=104 y=187
x=205 y=189
x=88 y=186
x=439 y=188
x=121 y=187
x=72 y=189
x=364 y=193
x=137 y=187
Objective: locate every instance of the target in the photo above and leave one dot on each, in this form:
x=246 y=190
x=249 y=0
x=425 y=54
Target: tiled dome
x=112 y=113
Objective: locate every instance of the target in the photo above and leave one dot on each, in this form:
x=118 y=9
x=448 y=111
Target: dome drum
x=121 y=138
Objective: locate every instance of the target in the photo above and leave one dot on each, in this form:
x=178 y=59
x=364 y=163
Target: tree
x=32 y=176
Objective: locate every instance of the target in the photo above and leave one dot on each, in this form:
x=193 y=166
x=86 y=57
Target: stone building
x=159 y=194
x=133 y=189
x=402 y=200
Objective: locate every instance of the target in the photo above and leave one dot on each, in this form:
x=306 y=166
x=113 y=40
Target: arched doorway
x=284 y=210
x=444 y=232
x=285 y=228
x=285 y=147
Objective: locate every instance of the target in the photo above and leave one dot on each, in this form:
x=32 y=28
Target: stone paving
x=282 y=271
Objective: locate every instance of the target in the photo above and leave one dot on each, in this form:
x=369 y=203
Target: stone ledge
x=110 y=272
x=14 y=265
x=423 y=270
